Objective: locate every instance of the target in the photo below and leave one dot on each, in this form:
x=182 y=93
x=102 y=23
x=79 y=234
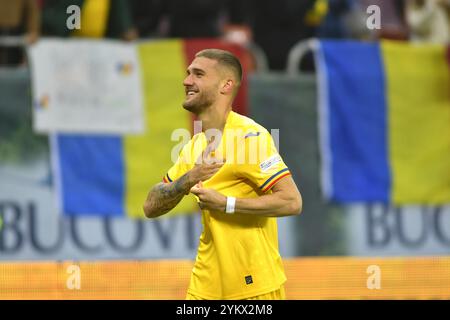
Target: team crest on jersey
x=269 y=163
x=248 y=279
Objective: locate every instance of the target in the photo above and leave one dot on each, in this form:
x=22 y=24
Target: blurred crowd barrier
x=308 y=278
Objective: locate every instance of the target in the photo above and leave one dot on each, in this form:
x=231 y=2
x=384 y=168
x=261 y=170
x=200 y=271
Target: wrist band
x=231 y=202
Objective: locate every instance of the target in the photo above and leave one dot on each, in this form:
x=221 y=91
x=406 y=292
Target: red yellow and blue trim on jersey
x=274 y=179
x=167 y=179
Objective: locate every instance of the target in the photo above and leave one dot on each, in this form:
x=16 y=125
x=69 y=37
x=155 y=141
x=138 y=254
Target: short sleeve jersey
x=238 y=254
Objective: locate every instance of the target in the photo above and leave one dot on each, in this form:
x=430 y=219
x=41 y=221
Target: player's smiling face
x=201 y=84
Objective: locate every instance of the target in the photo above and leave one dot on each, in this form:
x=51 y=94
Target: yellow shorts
x=279 y=294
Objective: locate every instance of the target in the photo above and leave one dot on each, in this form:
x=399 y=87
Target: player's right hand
x=205 y=167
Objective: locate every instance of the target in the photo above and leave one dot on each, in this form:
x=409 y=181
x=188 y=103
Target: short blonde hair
x=226 y=59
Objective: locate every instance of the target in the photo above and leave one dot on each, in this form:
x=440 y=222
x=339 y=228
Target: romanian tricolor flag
x=384 y=122
x=112 y=175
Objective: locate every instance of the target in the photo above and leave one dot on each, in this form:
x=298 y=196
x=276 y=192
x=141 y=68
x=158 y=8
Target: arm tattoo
x=165 y=196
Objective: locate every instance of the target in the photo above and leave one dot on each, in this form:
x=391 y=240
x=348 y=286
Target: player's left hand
x=209 y=199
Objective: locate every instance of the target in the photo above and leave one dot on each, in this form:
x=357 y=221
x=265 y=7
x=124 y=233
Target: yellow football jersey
x=238 y=254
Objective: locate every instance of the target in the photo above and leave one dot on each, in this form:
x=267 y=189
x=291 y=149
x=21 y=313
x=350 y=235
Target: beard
x=199 y=102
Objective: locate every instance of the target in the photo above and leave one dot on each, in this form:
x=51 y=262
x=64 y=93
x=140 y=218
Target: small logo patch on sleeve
x=267 y=164
x=248 y=280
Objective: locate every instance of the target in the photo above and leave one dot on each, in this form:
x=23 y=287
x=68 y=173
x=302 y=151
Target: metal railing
x=12 y=41
x=298 y=52
x=260 y=56
x=295 y=56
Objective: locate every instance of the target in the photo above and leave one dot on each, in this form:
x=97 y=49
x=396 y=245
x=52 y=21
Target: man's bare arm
x=285 y=200
x=165 y=196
